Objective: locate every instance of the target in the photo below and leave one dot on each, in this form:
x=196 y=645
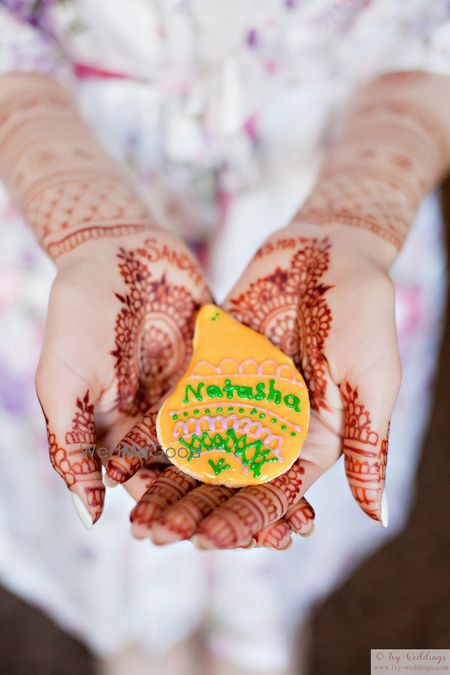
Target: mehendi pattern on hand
x=365 y=457
x=288 y=306
x=76 y=460
x=153 y=333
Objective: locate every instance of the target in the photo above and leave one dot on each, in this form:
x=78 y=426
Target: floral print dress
x=221 y=112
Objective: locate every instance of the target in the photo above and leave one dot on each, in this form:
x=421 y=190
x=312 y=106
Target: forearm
x=394 y=148
x=66 y=185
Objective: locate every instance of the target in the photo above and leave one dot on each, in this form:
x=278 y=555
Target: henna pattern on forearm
x=393 y=150
x=365 y=457
x=288 y=306
x=76 y=461
x=68 y=188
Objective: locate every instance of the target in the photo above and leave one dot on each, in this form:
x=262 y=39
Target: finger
x=69 y=416
x=167 y=489
x=180 y=521
x=369 y=386
x=276 y=535
x=135 y=450
x=365 y=447
x=300 y=518
x=254 y=507
x=143 y=479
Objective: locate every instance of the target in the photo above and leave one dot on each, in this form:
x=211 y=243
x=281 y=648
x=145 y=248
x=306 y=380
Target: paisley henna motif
x=154 y=330
x=77 y=462
x=288 y=306
x=364 y=456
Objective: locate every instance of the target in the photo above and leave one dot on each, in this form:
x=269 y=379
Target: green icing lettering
x=254 y=454
x=190 y=389
x=214 y=391
x=218 y=466
x=292 y=401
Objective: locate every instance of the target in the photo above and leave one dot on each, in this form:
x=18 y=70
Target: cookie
x=240 y=413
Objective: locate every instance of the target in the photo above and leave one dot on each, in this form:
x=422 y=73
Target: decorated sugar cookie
x=240 y=413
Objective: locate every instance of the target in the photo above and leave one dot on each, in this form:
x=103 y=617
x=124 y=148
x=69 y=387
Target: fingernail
x=309 y=532
x=283 y=548
x=108 y=482
x=384 y=510
x=82 y=511
x=199 y=543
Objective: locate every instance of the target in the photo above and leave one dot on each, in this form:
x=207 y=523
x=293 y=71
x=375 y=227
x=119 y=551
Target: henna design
x=76 y=469
x=365 y=462
x=288 y=307
x=181 y=519
x=301 y=518
x=154 y=331
x=62 y=179
x=171 y=486
x=276 y=535
x=135 y=450
x=389 y=155
x=156 y=251
x=250 y=510
x=66 y=244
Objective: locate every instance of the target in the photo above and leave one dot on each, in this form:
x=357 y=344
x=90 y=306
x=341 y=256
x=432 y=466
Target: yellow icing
x=240 y=413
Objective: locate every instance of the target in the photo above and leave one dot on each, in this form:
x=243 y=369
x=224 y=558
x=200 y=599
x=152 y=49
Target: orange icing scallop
x=240 y=413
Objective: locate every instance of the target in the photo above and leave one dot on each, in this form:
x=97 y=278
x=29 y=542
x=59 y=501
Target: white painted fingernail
x=82 y=511
x=384 y=510
x=108 y=482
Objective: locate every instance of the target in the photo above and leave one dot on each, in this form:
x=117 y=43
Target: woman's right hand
x=118 y=335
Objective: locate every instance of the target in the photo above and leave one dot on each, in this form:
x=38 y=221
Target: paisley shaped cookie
x=240 y=413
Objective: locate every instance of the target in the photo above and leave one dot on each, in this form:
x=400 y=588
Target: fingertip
x=108 y=482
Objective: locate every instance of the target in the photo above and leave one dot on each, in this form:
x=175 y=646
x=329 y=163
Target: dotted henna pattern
x=288 y=306
x=364 y=457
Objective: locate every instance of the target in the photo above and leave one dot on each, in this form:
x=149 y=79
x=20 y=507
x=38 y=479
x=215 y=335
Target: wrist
x=352 y=243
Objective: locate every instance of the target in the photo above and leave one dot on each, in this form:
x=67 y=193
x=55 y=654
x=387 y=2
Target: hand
x=119 y=334
x=323 y=296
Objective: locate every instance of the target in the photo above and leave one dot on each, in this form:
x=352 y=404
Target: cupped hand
x=118 y=335
x=323 y=296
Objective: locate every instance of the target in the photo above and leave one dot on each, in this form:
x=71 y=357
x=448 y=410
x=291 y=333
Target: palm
x=310 y=299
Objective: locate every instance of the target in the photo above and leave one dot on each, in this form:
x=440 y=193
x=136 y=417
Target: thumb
x=365 y=447
x=68 y=407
